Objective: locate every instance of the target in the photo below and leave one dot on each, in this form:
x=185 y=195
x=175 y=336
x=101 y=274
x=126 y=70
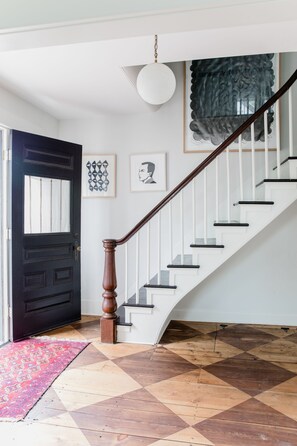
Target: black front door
x=46 y=185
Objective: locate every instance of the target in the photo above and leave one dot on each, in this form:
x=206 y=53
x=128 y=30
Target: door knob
x=77 y=250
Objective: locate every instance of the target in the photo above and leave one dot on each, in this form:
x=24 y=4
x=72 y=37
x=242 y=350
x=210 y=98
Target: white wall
x=112 y=218
x=21 y=115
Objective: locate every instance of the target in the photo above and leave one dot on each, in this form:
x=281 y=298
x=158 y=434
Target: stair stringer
x=148 y=327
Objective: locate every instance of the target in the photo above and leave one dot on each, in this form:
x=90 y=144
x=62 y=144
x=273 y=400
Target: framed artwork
x=148 y=172
x=98 y=176
x=220 y=94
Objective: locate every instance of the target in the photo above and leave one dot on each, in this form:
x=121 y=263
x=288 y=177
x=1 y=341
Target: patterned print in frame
x=220 y=94
x=98 y=176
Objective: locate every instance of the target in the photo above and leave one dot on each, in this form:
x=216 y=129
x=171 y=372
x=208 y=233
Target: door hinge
x=8 y=234
x=6 y=155
x=10 y=312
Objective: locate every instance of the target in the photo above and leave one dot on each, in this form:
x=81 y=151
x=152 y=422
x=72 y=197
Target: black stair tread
x=253 y=202
x=277 y=180
x=125 y=324
x=142 y=303
x=185 y=261
x=141 y=299
x=202 y=245
x=139 y=305
x=232 y=223
x=210 y=243
x=285 y=160
x=121 y=317
x=182 y=266
x=169 y=287
x=164 y=279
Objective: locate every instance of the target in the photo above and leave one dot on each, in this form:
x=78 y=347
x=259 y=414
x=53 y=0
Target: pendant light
x=156 y=82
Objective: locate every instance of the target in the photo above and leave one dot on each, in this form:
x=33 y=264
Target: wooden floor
x=204 y=384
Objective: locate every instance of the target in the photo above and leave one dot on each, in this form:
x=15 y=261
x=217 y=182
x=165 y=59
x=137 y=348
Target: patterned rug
x=27 y=369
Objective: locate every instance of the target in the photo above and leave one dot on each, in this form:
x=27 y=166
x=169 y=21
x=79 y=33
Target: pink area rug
x=27 y=369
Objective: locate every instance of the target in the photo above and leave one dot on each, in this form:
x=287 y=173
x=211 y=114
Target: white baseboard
x=91 y=308
x=234 y=318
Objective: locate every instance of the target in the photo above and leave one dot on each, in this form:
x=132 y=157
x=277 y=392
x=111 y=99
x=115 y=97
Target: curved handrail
x=209 y=159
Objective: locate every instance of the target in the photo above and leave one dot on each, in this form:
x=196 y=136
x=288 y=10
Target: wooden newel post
x=109 y=305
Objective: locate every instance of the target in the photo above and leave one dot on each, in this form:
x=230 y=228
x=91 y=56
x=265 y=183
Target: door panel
x=46 y=190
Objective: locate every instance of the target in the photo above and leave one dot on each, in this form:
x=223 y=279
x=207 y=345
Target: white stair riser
x=292 y=169
x=288 y=170
x=252 y=213
x=280 y=192
x=204 y=253
x=224 y=234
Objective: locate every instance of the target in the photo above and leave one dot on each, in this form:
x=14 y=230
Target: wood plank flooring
x=204 y=384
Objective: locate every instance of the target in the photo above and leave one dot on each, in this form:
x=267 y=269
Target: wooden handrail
x=209 y=159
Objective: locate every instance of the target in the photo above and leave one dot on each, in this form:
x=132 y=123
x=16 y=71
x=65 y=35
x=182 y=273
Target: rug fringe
x=53 y=338
x=10 y=420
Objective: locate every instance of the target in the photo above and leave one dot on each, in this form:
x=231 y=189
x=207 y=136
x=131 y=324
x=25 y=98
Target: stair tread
x=125 y=324
x=207 y=245
x=164 y=279
x=232 y=223
x=210 y=243
x=185 y=261
x=140 y=305
x=175 y=265
x=155 y=285
x=277 y=180
x=121 y=317
x=253 y=202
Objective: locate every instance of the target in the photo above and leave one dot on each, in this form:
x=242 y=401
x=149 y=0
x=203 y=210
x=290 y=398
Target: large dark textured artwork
x=220 y=94
x=98 y=176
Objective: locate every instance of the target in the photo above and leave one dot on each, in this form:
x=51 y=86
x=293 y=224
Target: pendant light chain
x=156 y=81
x=156 y=48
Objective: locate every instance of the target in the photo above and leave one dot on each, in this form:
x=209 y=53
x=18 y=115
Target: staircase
x=208 y=217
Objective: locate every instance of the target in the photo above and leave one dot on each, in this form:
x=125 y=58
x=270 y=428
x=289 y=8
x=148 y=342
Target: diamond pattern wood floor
x=204 y=384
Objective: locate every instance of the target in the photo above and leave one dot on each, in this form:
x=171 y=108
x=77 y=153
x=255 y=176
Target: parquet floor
x=204 y=384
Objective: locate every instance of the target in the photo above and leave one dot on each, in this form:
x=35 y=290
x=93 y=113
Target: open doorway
x=5 y=235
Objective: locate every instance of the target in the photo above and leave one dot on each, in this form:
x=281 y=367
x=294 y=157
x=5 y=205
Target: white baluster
x=253 y=161
x=148 y=253
x=194 y=210
x=290 y=123
x=205 y=205
x=137 y=269
x=217 y=187
x=277 y=136
x=240 y=166
x=228 y=186
x=126 y=272
x=266 y=143
x=181 y=225
x=159 y=246
x=170 y=231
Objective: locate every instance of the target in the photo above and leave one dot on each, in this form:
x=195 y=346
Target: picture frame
x=98 y=176
x=148 y=172
x=202 y=142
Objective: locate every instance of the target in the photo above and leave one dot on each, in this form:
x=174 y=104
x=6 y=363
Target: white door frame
x=5 y=242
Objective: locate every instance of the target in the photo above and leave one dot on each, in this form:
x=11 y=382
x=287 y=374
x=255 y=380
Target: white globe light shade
x=156 y=83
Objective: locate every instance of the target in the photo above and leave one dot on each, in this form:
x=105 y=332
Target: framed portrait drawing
x=221 y=94
x=98 y=176
x=148 y=172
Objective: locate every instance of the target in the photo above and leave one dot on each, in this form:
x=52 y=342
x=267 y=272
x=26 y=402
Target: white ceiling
x=74 y=69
